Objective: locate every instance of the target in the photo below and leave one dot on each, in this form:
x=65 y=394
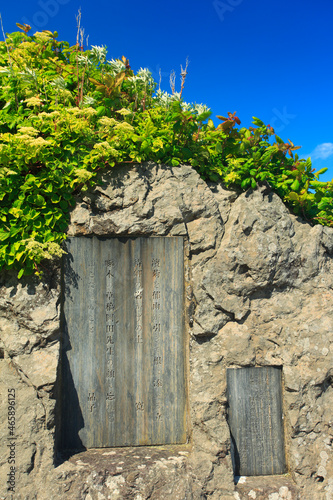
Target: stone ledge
x=128 y=472
x=277 y=487
x=109 y=458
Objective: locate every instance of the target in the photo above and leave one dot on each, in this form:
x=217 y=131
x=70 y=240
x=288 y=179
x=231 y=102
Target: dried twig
x=81 y=38
x=183 y=74
x=79 y=47
x=78 y=25
x=159 y=83
x=173 y=81
x=4 y=37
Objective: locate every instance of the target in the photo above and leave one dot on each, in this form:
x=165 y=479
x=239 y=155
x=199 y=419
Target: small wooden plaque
x=256 y=420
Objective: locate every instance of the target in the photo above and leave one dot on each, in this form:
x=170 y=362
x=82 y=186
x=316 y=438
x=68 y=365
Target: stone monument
x=257 y=294
x=256 y=420
x=123 y=350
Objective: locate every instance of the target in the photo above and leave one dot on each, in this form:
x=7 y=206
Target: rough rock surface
x=259 y=292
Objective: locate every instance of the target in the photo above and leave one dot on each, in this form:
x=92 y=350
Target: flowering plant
x=67 y=113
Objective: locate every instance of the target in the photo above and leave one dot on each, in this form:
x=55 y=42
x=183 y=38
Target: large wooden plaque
x=255 y=419
x=123 y=349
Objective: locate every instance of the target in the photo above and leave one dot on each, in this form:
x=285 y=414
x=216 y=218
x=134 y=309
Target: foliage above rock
x=67 y=113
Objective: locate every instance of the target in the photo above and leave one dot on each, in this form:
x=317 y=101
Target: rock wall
x=259 y=293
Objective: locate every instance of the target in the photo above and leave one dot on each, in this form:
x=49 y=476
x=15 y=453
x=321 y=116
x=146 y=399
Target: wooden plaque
x=256 y=420
x=123 y=348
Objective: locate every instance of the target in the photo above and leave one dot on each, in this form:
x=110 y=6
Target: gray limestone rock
x=259 y=292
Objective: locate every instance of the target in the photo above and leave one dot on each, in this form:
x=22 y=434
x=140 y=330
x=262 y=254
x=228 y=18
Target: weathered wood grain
x=123 y=351
x=256 y=420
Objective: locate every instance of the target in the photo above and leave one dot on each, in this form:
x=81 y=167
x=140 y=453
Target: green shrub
x=67 y=113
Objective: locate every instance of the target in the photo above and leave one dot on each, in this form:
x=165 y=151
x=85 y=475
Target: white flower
x=105 y=121
x=88 y=100
x=145 y=75
x=126 y=127
x=59 y=83
x=116 y=66
x=83 y=60
x=28 y=74
x=163 y=98
x=45 y=250
x=124 y=112
x=29 y=131
x=133 y=79
x=200 y=108
x=103 y=145
x=89 y=111
x=99 y=53
x=33 y=101
x=186 y=106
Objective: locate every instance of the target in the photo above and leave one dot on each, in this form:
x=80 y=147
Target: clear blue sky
x=266 y=58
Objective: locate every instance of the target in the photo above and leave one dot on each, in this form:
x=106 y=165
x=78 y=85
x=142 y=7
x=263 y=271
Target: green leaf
x=324 y=203
x=55 y=198
x=101 y=110
x=48 y=220
x=16 y=212
x=245 y=183
x=39 y=200
x=211 y=125
x=20 y=254
x=63 y=205
x=295 y=185
x=321 y=171
x=38 y=224
x=20 y=273
x=293 y=196
x=4 y=235
x=263 y=175
x=257 y=122
x=214 y=177
x=204 y=116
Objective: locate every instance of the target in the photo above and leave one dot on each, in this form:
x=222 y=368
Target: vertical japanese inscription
x=109 y=339
x=156 y=301
x=138 y=337
x=91 y=299
x=138 y=298
x=91 y=400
